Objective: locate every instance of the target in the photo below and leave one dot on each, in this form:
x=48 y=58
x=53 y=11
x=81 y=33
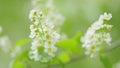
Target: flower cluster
x=97 y=35
x=50 y=11
x=43 y=34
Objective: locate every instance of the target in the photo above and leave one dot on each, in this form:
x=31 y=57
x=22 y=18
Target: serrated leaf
x=69 y=45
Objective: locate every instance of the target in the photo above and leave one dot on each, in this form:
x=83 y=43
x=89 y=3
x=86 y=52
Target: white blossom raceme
x=52 y=15
x=43 y=31
x=97 y=35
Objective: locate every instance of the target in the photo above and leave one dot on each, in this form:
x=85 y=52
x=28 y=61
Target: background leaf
x=105 y=61
x=64 y=57
x=18 y=65
x=77 y=37
x=21 y=42
x=20 y=60
x=69 y=45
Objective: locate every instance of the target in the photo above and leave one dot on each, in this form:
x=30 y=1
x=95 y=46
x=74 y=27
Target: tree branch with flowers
x=47 y=45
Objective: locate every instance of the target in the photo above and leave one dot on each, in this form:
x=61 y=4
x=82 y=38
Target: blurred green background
x=80 y=14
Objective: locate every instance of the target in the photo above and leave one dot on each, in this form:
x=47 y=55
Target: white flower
x=107 y=38
x=33 y=13
x=33 y=33
x=56 y=35
x=106 y=16
x=91 y=51
x=44 y=30
x=34 y=55
x=94 y=37
x=36 y=22
x=50 y=50
x=36 y=43
x=33 y=30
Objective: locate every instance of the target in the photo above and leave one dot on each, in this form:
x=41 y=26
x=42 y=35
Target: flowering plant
x=47 y=45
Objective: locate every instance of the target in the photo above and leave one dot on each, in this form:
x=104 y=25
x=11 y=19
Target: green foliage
x=64 y=57
x=79 y=15
x=77 y=37
x=20 y=60
x=21 y=42
x=105 y=61
x=69 y=45
x=18 y=65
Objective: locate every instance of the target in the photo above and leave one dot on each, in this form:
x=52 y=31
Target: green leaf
x=69 y=45
x=104 y=59
x=21 y=42
x=19 y=61
x=77 y=37
x=64 y=57
x=18 y=65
